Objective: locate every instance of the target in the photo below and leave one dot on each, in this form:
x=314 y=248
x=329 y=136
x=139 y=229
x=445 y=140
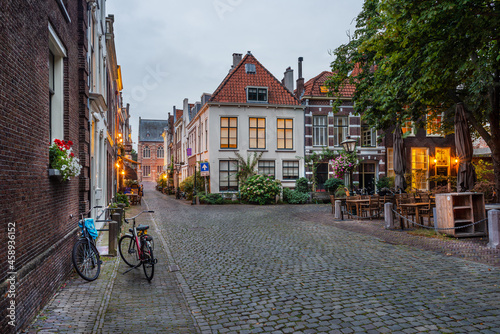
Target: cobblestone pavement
x=252 y=269
x=282 y=269
x=117 y=302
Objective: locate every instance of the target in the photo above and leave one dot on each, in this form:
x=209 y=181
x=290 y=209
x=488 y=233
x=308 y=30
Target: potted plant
x=63 y=163
x=333 y=184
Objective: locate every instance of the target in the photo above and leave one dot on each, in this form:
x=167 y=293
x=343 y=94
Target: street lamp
x=349 y=146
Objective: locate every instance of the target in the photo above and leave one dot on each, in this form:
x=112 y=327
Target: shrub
x=260 y=189
x=294 y=196
x=340 y=192
x=332 y=184
x=122 y=198
x=302 y=185
x=212 y=199
x=187 y=185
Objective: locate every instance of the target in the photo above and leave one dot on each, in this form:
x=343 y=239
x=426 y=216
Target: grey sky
x=170 y=50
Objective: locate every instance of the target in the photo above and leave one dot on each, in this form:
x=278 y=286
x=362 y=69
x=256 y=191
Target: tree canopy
x=408 y=59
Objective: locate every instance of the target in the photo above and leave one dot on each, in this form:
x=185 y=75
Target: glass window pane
x=262 y=122
x=253 y=122
x=224 y=121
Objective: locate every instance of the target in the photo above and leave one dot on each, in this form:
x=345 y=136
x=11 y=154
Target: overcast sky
x=172 y=49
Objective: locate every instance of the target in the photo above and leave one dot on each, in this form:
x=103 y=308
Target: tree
x=409 y=59
x=246 y=167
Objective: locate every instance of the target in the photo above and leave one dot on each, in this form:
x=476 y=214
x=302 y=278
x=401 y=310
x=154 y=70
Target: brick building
x=150 y=150
x=43 y=96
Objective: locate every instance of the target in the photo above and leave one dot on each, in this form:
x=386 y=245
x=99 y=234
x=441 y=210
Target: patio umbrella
x=466 y=176
x=398 y=159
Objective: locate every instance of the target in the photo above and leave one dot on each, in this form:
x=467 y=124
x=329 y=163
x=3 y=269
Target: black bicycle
x=136 y=249
x=86 y=257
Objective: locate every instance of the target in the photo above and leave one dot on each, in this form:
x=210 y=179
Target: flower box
x=55 y=174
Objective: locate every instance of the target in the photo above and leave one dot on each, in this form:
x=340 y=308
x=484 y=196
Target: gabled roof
x=233 y=87
x=313 y=86
x=151 y=129
x=178 y=113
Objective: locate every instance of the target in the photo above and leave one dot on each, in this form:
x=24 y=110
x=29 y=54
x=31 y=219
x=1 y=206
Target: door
x=321 y=176
x=367 y=177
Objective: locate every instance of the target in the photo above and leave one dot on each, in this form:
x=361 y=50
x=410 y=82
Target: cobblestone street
x=252 y=269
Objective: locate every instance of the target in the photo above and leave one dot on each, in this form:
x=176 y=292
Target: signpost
x=205 y=171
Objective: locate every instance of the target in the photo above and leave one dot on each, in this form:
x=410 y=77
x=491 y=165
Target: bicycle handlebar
x=131 y=218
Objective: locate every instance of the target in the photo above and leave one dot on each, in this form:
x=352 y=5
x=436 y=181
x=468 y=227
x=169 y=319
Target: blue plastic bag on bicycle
x=89 y=225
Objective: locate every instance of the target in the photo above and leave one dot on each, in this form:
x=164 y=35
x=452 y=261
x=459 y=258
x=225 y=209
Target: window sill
x=287 y=151
x=257 y=150
x=228 y=150
x=288 y=181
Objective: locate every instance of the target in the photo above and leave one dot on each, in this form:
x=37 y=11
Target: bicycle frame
x=137 y=237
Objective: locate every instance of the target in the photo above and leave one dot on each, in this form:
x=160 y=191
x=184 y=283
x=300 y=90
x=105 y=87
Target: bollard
x=388 y=216
x=117 y=217
x=494 y=229
x=113 y=238
x=338 y=209
x=435 y=221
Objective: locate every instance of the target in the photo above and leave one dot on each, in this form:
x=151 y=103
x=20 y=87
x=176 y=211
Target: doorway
x=367 y=177
x=321 y=176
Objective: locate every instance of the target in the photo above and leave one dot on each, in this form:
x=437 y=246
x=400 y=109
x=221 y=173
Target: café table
x=132 y=198
x=417 y=207
x=358 y=203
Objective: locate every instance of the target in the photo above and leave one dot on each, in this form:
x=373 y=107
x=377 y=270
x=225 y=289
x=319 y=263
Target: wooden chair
x=371 y=207
x=405 y=211
x=426 y=211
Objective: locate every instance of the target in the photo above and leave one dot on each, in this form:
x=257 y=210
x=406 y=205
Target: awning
x=129 y=160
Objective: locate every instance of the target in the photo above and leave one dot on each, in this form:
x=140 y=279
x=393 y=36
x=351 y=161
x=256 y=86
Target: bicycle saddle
x=142 y=227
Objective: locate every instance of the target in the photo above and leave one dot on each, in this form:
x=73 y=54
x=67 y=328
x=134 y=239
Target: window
x=228 y=132
x=368 y=135
x=408 y=127
x=56 y=87
x=390 y=162
x=419 y=168
x=434 y=124
x=256 y=94
x=146 y=153
x=159 y=152
x=290 y=170
x=320 y=130
x=266 y=167
x=227 y=175
x=146 y=171
x=285 y=133
x=257 y=132
x=340 y=129
x=250 y=68
x=159 y=169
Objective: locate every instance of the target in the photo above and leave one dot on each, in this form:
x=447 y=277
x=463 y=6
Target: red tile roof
x=178 y=113
x=313 y=86
x=232 y=88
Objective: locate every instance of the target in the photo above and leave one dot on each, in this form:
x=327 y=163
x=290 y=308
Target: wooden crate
x=461 y=209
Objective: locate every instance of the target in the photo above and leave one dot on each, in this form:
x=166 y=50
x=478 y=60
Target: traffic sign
x=205 y=168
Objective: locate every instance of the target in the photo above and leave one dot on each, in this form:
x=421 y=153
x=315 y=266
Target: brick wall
x=41 y=208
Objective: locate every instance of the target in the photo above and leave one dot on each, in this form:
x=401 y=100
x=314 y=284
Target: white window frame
x=57 y=48
x=320 y=130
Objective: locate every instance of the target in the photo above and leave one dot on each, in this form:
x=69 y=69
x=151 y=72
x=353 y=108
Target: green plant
x=385 y=182
x=332 y=184
x=61 y=157
x=187 y=185
x=344 y=163
x=212 y=199
x=484 y=171
x=340 y=192
x=302 y=185
x=294 y=196
x=246 y=167
x=314 y=159
x=260 y=189
x=122 y=198
x=130 y=182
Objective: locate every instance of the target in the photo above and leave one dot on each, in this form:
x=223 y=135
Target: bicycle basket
x=89 y=225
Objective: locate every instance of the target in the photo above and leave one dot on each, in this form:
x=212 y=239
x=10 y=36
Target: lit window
x=390 y=162
x=434 y=124
x=228 y=132
x=408 y=127
x=285 y=133
x=257 y=132
x=419 y=168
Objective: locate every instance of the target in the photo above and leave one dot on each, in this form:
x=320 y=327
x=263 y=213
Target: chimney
x=300 y=80
x=288 y=79
x=175 y=114
x=236 y=59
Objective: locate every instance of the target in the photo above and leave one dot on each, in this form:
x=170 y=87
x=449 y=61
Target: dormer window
x=257 y=94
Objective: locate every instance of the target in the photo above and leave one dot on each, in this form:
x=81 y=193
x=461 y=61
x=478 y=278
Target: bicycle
x=85 y=256
x=136 y=249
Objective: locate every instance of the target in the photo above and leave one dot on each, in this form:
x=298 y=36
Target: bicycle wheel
x=148 y=262
x=128 y=250
x=86 y=260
